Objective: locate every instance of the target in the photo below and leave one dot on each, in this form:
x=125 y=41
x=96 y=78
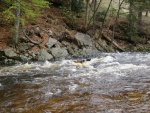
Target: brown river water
x=110 y=83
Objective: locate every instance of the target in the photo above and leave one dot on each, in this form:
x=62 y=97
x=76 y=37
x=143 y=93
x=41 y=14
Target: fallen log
x=113 y=42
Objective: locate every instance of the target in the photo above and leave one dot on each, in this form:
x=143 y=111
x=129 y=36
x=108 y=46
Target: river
x=109 y=83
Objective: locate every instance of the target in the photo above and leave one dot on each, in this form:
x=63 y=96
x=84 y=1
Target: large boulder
x=59 y=52
x=10 y=53
x=52 y=42
x=44 y=55
x=83 y=39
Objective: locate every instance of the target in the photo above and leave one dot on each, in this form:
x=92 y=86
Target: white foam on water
x=118 y=69
x=47 y=64
x=49 y=94
x=18 y=68
x=58 y=92
x=109 y=68
x=107 y=59
x=72 y=87
x=25 y=66
x=94 y=60
x=65 y=62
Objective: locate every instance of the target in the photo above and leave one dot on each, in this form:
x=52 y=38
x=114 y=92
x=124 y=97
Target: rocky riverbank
x=53 y=36
x=44 y=44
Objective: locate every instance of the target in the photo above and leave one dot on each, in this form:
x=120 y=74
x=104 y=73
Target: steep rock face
x=44 y=55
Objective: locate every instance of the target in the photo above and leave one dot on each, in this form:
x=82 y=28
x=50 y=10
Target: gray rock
x=59 y=52
x=70 y=50
x=51 y=42
x=24 y=47
x=44 y=55
x=25 y=58
x=10 y=53
x=90 y=52
x=32 y=54
x=9 y=61
x=83 y=39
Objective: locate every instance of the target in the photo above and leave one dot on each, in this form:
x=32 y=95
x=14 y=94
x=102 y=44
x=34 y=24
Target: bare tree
x=94 y=15
x=87 y=13
x=118 y=12
x=17 y=23
x=107 y=12
x=139 y=19
x=146 y=14
x=131 y=23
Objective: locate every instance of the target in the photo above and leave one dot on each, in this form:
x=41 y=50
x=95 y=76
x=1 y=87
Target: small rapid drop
x=110 y=83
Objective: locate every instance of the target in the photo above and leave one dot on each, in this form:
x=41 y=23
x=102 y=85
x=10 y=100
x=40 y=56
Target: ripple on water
x=113 y=83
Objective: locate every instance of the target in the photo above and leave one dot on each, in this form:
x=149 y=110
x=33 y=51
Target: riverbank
x=54 y=36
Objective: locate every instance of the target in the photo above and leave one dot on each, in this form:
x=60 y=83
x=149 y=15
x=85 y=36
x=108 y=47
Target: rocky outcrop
x=53 y=46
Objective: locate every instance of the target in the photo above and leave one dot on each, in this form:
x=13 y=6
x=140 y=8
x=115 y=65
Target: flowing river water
x=110 y=83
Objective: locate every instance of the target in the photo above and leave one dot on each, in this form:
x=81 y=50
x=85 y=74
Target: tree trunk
x=146 y=13
x=95 y=12
x=87 y=14
x=140 y=19
x=94 y=16
x=17 y=23
x=106 y=12
x=131 y=23
x=118 y=12
x=70 y=3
